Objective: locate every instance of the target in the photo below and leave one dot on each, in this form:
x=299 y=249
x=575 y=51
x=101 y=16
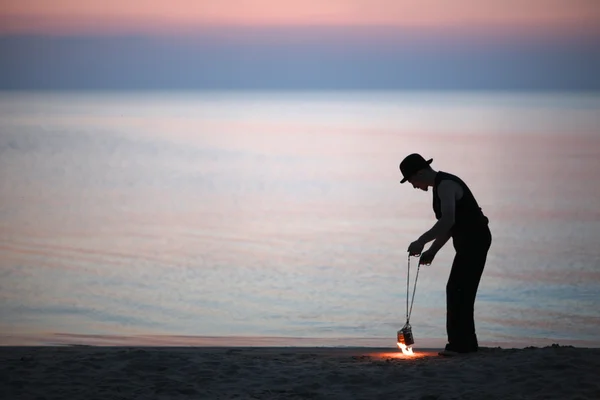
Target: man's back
x=469 y=217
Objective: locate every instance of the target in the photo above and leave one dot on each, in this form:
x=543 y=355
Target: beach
x=97 y=372
x=205 y=201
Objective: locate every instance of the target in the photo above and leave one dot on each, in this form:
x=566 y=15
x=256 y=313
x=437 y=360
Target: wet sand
x=96 y=372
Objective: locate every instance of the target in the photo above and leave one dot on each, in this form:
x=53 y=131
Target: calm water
x=281 y=215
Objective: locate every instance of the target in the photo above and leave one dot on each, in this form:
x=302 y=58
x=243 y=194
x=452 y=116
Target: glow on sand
x=398 y=355
x=407 y=353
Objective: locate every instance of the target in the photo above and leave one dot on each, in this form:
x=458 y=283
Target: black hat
x=412 y=164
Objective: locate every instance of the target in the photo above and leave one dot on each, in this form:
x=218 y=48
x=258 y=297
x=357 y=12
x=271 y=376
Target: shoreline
x=156 y=340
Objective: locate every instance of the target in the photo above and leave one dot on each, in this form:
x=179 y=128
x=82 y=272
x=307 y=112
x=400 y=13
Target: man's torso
x=469 y=218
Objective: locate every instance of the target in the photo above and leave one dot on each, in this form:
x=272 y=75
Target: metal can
x=405 y=336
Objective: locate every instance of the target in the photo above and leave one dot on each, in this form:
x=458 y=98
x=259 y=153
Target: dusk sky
x=308 y=44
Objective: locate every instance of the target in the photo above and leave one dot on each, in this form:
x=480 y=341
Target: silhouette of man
x=458 y=217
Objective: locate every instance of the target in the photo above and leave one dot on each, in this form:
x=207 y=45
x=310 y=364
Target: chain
x=409 y=311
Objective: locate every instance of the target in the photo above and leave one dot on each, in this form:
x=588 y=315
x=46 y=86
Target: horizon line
x=58 y=27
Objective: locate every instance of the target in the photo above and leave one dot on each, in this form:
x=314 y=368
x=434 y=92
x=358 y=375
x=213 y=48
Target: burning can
x=405 y=336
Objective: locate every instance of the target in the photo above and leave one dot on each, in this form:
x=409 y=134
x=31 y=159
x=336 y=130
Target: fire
x=407 y=351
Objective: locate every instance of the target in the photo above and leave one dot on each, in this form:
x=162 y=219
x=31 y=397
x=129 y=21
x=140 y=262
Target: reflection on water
x=281 y=216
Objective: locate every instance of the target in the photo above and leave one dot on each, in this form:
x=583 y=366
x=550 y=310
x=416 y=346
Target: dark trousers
x=467 y=268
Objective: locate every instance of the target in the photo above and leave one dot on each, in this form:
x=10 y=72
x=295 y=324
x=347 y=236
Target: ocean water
x=279 y=217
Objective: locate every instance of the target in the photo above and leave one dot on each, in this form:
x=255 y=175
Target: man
x=458 y=217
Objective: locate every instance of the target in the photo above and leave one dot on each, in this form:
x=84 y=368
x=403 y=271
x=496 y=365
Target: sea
x=278 y=218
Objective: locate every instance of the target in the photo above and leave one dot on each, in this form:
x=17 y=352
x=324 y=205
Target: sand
x=97 y=372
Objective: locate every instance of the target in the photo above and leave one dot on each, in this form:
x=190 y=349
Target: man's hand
x=427 y=257
x=415 y=248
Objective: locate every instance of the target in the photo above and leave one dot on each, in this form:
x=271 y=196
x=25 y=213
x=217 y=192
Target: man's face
x=417 y=182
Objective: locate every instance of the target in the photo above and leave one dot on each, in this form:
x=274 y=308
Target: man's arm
x=447 y=191
x=439 y=242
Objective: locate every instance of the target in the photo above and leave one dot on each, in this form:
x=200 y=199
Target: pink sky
x=109 y=16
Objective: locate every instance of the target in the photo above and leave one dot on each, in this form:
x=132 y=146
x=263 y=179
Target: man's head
x=416 y=170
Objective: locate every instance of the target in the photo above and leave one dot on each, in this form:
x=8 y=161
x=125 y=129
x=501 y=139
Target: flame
x=407 y=351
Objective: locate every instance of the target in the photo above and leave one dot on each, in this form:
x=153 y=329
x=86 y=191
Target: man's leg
x=454 y=302
x=461 y=291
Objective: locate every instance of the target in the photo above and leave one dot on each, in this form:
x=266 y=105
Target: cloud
x=297 y=59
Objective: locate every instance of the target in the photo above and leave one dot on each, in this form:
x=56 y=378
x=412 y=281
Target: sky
x=300 y=44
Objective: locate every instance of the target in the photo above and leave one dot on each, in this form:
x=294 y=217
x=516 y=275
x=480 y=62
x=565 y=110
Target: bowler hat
x=412 y=164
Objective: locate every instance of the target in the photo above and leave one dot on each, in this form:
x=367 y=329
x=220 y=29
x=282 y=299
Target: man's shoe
x=449 y=353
